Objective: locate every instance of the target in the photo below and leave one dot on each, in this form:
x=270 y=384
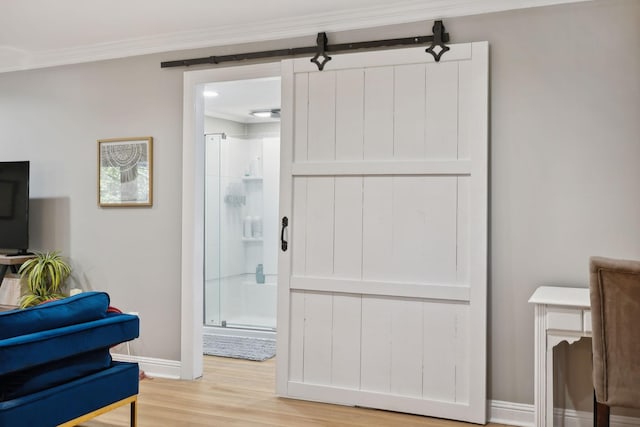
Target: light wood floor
x=241 y=393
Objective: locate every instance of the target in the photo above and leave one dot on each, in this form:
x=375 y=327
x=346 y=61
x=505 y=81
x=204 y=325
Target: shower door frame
x=192 y=262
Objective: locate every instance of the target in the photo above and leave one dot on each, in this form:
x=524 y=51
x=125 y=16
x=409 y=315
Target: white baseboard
x=519 y=414
x=510 y=413
x=159 y=368
x=574 y=418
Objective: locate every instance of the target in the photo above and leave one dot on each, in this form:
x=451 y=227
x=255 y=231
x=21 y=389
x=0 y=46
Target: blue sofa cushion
x=80 y=308
x=27 y=351
x=56 y=405
x=52 y=374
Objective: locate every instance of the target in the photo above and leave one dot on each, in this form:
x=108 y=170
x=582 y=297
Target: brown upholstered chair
x=615 y=313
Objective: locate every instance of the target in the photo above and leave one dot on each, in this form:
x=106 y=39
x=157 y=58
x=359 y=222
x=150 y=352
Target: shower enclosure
x=241 y=225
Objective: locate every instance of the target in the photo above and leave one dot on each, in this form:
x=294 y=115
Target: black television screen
x=14 y=206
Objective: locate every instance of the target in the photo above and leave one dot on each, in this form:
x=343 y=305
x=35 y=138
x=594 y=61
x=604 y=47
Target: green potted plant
x=45 y=274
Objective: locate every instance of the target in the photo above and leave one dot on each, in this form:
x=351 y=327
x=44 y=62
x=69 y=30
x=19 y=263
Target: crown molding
x=223 y=35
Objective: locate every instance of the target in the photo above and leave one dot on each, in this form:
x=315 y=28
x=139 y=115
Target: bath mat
x=258 y=349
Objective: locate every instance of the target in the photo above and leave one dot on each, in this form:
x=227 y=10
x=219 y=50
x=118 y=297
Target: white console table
x=561 y=314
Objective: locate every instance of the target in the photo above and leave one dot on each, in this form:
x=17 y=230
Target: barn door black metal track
x=321 y=50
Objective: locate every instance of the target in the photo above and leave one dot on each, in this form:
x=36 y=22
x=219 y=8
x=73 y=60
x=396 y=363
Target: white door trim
x=192 y=260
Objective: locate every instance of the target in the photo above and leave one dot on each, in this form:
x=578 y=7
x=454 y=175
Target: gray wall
x=231 y=128
x=217 y=125
x=54 y=117
x=565 y=144
x=565 y=182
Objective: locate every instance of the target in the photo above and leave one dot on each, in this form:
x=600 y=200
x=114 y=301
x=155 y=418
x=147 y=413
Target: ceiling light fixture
x=210 y=93
x=266 y=114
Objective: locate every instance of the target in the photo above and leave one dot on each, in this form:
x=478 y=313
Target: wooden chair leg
x=600 y=413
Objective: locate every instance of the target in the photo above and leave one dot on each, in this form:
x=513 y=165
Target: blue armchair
x=55 y=365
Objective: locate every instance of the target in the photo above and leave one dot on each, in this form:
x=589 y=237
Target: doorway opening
x=241 y=187
x=228 y=275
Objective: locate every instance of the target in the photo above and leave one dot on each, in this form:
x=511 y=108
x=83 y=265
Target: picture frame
x=125 y=172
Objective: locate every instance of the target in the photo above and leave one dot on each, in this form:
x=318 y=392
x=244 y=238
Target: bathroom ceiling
x=236 y=99
x=42 y=33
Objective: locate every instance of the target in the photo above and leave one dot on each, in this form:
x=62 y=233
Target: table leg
x=3 y=271
x=541 y=367
x=548 y=411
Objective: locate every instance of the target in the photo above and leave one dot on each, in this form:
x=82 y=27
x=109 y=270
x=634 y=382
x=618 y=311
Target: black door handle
x=283 y=243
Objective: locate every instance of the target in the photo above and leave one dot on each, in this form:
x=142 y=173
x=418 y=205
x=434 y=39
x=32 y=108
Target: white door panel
x=347 y=249
x=345 y=346
x=382 y=291
x=349 y=110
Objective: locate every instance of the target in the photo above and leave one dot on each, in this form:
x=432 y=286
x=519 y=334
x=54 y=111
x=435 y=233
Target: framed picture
x=125 y=171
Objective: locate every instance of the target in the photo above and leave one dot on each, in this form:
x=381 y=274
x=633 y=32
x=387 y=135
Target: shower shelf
x=252 y=239
x=252 y=178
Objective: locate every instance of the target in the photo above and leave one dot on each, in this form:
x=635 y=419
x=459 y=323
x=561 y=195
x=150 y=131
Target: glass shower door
x=241 y=231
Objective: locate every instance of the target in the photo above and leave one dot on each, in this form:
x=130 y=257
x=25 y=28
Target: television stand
x=19 y=253
x=14 y=261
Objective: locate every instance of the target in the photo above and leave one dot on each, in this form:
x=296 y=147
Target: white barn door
x=382 y=289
